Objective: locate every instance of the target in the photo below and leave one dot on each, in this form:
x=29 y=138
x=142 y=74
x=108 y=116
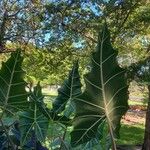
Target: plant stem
x=104 y=95
x=111 y=135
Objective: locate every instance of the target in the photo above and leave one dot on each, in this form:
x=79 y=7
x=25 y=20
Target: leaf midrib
x=103 y=91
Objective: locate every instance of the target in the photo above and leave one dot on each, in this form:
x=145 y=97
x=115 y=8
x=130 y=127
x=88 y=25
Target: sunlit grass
x=131 y=134
x=141 y=103
x=130 y=102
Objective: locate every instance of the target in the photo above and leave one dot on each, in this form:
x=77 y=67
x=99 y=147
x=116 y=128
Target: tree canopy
x=55 y=33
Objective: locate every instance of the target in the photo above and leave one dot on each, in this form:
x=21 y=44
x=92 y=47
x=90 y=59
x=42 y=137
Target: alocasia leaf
x=51 y=115
x=12 y=85
x=33 y=120
x=32 y=142
x=105 y=96
x=69 y=89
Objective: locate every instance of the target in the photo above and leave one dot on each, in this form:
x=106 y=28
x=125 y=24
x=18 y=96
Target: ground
x=132 y=130
x=135 y=115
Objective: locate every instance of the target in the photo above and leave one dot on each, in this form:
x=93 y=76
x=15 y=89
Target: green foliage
x=46 y=66
x=13 y=96
x=70 y=29
x=96 y=111
x=66 y=30
x=70 y=89
x=51 y=115
x=105 y=97
x=128 y=136
x=18 y=21
x=32 y=120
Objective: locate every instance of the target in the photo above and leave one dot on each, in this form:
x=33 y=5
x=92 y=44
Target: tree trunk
x=146 y=144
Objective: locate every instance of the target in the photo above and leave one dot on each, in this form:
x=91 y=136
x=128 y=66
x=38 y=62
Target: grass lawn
x=141 y=103
x=131 y=134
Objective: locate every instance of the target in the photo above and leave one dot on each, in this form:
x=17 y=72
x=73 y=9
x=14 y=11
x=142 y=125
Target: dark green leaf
x=13 y=96
x=52 y=115
x=105 y=97
x=32 y=119
x=68 y=91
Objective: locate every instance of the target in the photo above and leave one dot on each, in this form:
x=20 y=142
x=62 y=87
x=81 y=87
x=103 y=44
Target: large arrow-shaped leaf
x=12 y=86
x=32 y=120
x=105 y=96
x=69 y=89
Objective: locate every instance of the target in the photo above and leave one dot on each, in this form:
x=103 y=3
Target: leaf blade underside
x=13 y=96
x=70 y=89
x=105 y=97
x=33 y=120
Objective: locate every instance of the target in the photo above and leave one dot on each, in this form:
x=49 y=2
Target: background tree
x=140 y=72
x=19 y=22
x=53 y=34
x=79 y=22
x=68 y=29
